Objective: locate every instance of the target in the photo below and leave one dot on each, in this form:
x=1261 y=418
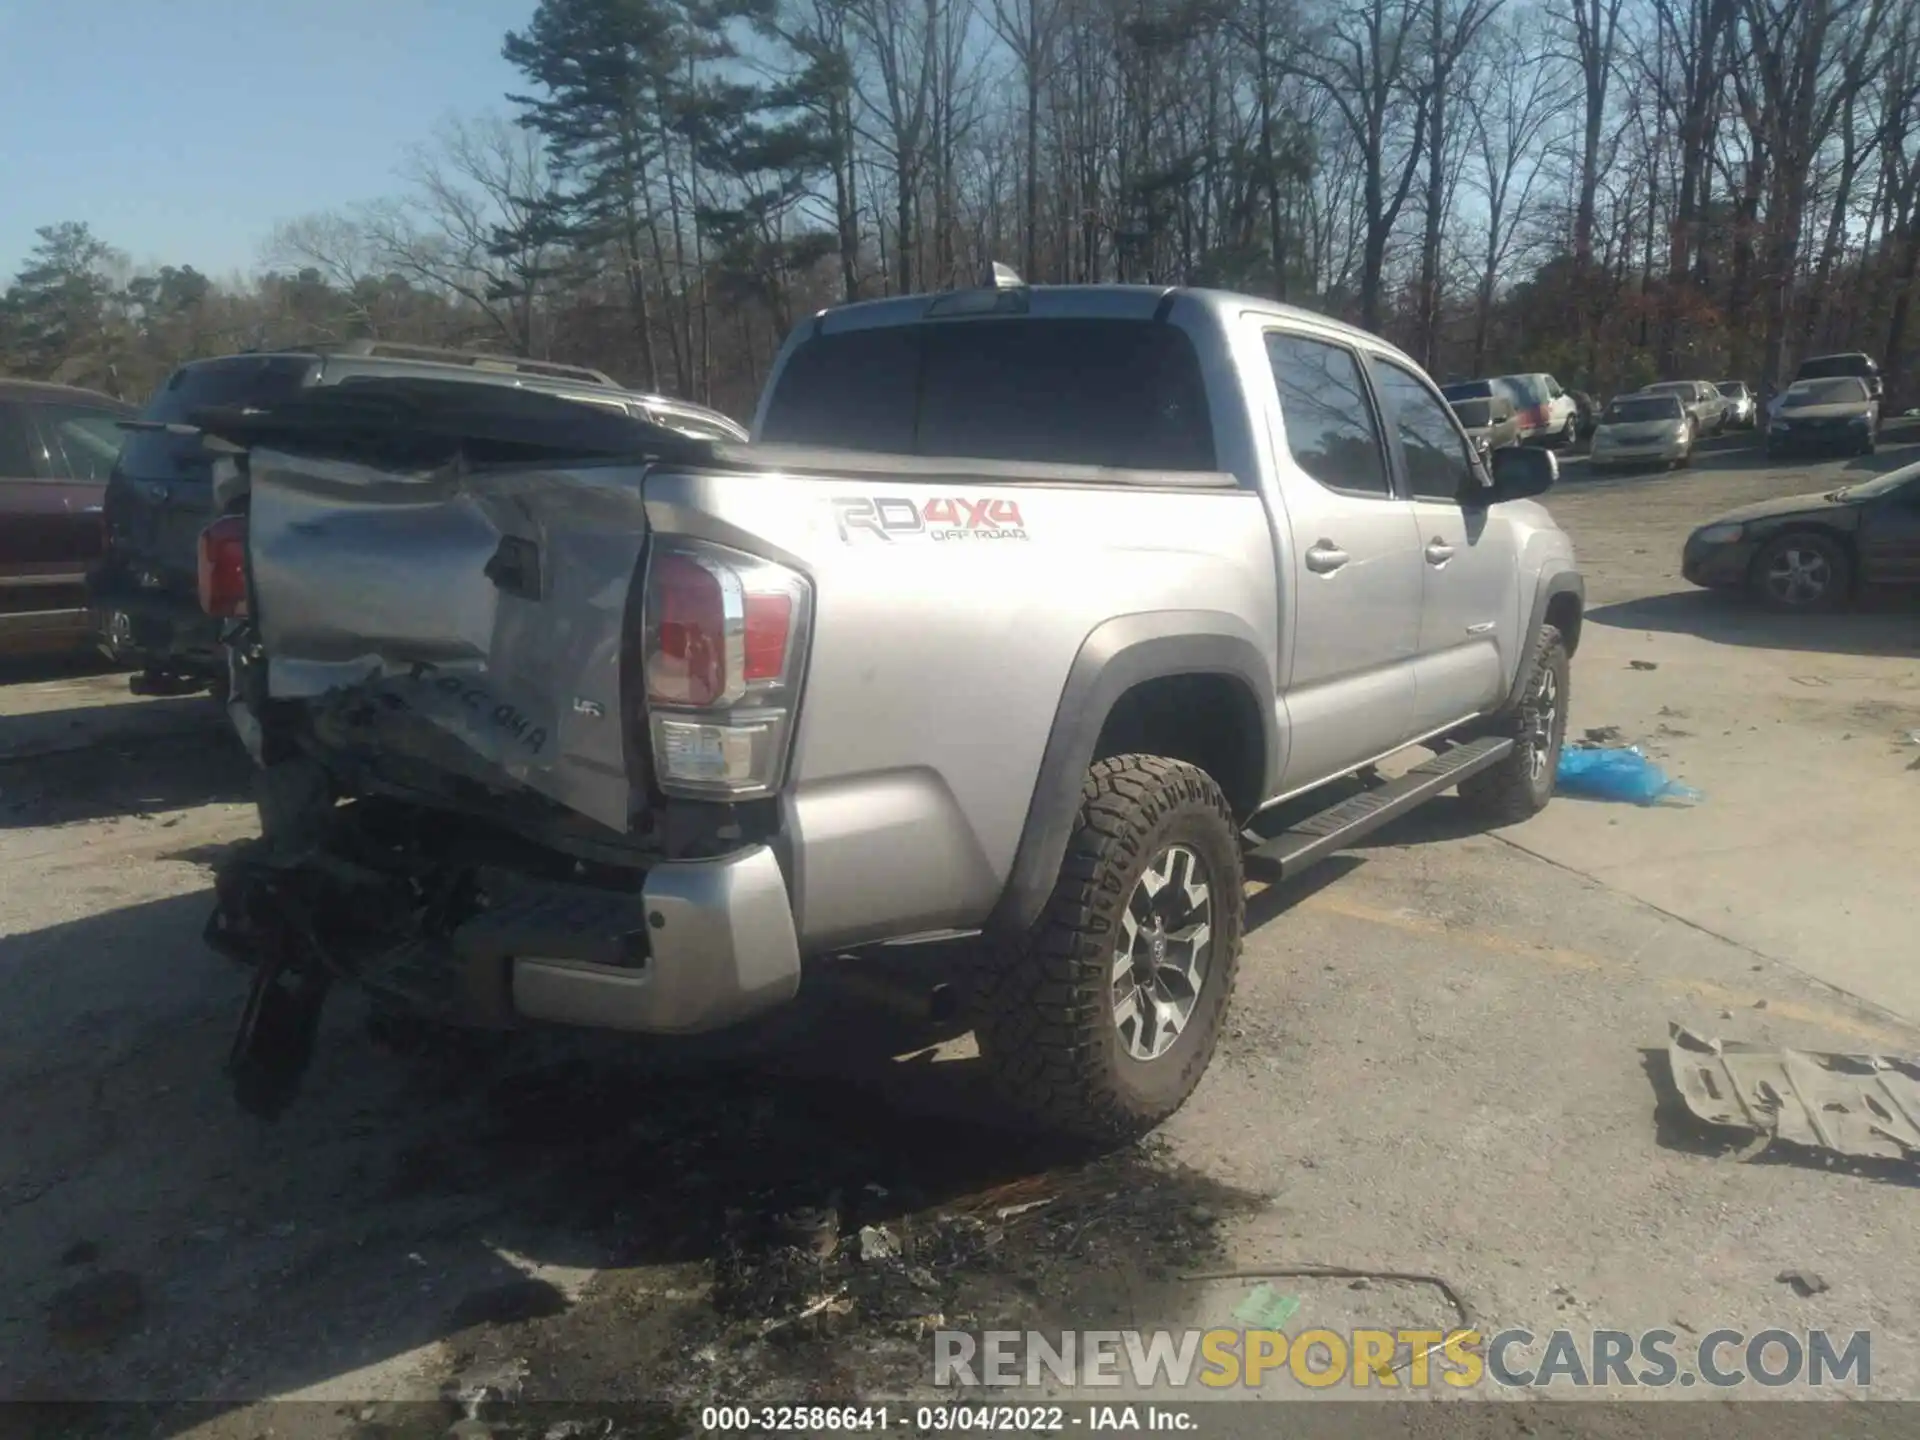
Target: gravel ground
x=1446 y=1059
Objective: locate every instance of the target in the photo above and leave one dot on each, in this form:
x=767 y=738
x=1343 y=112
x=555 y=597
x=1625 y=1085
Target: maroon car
x=57 y=447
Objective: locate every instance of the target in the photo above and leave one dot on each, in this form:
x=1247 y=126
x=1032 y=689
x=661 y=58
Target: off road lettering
x=944 y=517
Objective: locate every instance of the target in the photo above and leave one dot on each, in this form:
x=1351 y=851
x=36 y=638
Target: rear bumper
x=702 y=945
x=155 y=628
x=1662 y=453
x=720 y=948
x=1822 y=441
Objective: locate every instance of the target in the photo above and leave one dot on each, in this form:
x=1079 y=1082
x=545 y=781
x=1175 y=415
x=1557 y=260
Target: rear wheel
x=1802 y=571
x=1521 y=785
x=1100 y=1021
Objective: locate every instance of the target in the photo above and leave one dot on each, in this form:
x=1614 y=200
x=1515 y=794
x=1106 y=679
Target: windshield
x=1639 y=409
x=1474 y=414
x=1670 y=387
x=1880 y=484
x=1468 y=390
x=1733 y=389
x=247 y=380
x=1826 y=392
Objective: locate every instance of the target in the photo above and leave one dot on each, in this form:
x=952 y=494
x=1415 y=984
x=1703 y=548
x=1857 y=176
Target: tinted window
x=1474 y=414
x=1329 y=418
x=1643 y=409
x=1468 y=390
x=1121 y=393
x=86 y=438
x=244 y=380
x=1826 y=392
x=1733 y=389
x=853 y=391
x=1072 y=392
x=1437 y=462
x=19 y=444
x=1825 y=366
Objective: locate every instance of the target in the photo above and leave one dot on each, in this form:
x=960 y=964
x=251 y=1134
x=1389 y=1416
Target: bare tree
x=1030 y=30
x=478 y=220
x=1452 y=27
x=1518 y=96
x=1362 y=59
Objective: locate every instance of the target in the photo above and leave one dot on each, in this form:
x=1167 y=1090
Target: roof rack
x=474 y=359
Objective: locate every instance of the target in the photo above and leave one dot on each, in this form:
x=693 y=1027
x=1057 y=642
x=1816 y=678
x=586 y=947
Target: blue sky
x=182 y=131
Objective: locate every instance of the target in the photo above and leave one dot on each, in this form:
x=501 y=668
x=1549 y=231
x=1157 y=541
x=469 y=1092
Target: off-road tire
x=1044 y=1009
x=1516 y=789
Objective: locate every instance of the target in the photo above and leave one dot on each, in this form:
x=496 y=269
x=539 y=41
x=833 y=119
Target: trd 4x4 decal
x=945 y=517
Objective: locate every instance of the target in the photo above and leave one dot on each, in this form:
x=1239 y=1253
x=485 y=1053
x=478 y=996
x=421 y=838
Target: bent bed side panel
x=381 y=585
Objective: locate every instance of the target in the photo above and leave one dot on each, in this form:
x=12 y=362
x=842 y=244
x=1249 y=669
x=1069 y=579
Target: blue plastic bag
x=1618 y=774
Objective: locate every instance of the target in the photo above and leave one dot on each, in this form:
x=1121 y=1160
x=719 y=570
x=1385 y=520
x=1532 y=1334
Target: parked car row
x=1544 y=412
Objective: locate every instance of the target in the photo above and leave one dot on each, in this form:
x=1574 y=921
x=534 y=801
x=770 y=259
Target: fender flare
x=1115 y=657
x=1546 y=589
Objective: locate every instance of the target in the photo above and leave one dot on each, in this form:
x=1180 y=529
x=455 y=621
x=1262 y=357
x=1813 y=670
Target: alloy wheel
x=1542 y=712
x=1798 y=575
x=1160 y=963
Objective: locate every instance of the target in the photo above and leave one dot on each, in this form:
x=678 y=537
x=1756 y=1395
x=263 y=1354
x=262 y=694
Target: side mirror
x=1520 y=472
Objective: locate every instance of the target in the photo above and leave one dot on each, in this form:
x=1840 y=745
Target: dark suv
x=144 y=593
x=1834 y=367
x=57 y=447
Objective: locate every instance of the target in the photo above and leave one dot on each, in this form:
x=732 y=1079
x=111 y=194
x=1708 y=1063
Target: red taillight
x=769 y=620
x=687 y=610
x=723 y=630
x=223 y=567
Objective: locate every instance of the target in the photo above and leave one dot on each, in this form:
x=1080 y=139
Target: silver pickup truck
x=1034 y=614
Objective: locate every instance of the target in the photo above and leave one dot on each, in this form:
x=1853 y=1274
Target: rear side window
x=86 y=438
x=243 y=380
x=1120 y=393
x=1329 y=418
x=19 y=445
x=1437 y=463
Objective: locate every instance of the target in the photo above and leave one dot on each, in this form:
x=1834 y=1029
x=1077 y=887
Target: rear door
x=1355 y=564
x=35 y=546
x=161 y=494
x=81 y=443
x=1469 y=606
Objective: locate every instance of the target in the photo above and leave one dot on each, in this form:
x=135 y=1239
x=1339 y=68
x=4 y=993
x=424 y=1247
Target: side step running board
x=1338 y=826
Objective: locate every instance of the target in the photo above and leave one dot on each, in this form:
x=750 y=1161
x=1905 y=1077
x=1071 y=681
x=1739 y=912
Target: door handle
x=1438 y=551
x=1325 y=557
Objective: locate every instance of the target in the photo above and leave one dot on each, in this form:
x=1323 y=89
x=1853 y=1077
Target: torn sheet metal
x=389 y=586
x=1866 y=1106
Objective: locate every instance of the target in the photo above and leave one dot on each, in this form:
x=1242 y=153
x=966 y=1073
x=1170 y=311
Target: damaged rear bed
x=435 y=666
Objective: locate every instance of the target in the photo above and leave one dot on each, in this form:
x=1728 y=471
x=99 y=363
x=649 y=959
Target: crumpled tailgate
x=486 y=606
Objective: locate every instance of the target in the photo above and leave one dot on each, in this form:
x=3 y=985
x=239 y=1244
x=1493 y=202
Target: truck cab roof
x=1080 y=302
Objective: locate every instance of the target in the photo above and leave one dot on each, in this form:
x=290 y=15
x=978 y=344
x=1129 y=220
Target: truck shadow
x=138 y=776
x=585 y=1208
x=1881 y=625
